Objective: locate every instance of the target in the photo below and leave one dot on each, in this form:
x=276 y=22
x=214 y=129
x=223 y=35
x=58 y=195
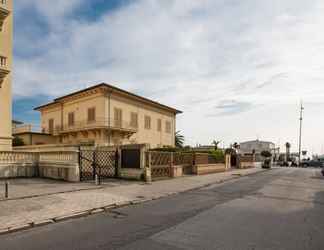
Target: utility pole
x=300 y=132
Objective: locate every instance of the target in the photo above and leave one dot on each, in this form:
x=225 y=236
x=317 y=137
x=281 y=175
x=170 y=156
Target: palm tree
x=236 y=145
x=288 y=146
x=179 y=140
x=216 y=143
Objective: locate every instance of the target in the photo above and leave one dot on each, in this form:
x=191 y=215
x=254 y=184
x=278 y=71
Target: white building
x=257 y=147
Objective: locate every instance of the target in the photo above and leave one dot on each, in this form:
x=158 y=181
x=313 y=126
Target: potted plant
x=267 y=159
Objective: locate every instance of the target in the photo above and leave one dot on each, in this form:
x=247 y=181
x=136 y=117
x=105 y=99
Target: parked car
x=305 y=163
x=323 y=171
x=313 y=163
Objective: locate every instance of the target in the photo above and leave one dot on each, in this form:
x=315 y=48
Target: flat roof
x=17 y=122
x=112 y=89
x=32 y=133
x=256 y=141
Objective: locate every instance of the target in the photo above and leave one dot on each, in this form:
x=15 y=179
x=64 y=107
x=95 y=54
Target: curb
x=49 y=194
x=110 y=207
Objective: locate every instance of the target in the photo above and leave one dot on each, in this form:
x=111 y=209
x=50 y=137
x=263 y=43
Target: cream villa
x=106 y=115
x=5 y=73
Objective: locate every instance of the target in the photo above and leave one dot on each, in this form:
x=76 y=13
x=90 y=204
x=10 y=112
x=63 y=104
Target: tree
x=216 y=143
x=266 y=154
x=267 y=161
x=179 y=140
x=236 y=145
x=16 y=142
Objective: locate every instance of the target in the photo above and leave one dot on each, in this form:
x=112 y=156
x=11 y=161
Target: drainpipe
x=109 y=135
x=62 y=117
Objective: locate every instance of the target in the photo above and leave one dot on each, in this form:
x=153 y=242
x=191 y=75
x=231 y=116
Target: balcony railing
x=3 y=69
x=115 y=125
x=3 y=12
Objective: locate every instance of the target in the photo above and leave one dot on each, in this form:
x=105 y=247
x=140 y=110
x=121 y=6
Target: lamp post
x=300 y=133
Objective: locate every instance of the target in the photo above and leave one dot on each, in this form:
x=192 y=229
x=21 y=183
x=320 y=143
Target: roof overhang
x=112 y=89
x=3 y=15
x=3 y=74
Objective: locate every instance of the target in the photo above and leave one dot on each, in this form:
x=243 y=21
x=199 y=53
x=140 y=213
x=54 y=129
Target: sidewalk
x=25 y=213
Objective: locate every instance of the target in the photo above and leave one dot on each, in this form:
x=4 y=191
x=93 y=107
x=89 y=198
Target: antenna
x=300 y=131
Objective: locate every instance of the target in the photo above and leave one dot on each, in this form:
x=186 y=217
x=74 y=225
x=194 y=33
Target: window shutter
x=71 y=119
x=91 y=114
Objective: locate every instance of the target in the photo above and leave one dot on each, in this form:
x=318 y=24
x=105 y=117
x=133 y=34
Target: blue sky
x=36 y=27
x=238 y=69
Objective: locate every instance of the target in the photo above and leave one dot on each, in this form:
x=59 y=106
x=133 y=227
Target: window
x=51 y=126
x=168 y=127
x=159 y=125
x=147 y=122
x=71 y=119
x=118 y=117
x=134 y=120
x=91 y=114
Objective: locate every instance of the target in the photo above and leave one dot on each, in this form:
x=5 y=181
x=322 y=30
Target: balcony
x=25 y=128
x=3 y=69
x=112 y=125
x=3 y=13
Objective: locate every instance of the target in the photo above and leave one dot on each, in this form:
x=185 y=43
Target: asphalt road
x=278 y=209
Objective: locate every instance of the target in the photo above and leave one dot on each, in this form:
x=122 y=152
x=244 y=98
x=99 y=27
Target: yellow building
x=6 y=23
x=106 y=115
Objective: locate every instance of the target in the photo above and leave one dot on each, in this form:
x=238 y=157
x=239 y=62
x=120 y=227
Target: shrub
x=167 y=149
x=16 y=142
x=217 y=154
x=266 y=154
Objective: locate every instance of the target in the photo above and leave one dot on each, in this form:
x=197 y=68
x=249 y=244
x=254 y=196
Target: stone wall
x=246 y=161
x=209 y=168
x=18 y=164
x=55 y=165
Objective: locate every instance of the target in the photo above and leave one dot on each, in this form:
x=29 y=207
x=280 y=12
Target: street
x=277 y=209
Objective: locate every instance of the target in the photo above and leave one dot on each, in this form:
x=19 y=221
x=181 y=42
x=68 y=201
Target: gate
x=98 y=162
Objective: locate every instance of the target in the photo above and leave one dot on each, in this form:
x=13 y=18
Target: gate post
x=148 y=167
x=171 y=164
x=80 y=163
x=94 y=167
x=117 y=161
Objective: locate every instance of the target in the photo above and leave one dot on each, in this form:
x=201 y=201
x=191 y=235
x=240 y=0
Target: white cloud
x=196 y=55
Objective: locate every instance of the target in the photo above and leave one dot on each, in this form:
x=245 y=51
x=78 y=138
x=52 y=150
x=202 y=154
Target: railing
x=88 y=125
x=183 y=158
x=159 y=163
x=34 y=157
x=3 y=62
x=17 y=157
x=59 y=156
x=22 y=129
x=160 y=158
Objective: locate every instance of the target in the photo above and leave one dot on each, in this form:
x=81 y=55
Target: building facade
x=257 y=147
x=6 y=26
x=106 y=115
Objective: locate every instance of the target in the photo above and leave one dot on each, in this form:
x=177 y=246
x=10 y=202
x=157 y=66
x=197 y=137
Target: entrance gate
x=104 y=164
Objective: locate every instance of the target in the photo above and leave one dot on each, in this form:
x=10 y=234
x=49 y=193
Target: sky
x=237 y=69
